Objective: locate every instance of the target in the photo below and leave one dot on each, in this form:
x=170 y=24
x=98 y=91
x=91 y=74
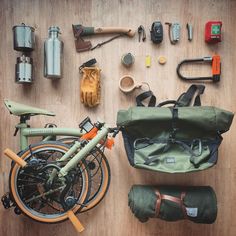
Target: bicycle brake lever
x=116 y=131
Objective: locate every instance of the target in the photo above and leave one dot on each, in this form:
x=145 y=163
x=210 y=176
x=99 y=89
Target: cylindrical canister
x=127 y=59
x=24 y=70
x=23 y=38
x=53 y=48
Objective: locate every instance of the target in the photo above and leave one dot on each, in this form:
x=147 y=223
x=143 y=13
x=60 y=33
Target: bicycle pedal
x=17 y=211
x=6 y=201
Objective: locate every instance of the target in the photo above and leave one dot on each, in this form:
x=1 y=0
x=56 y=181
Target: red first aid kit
x=213 y=31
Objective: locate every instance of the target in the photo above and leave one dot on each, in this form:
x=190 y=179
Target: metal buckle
x=140 y=141
x=197 y=142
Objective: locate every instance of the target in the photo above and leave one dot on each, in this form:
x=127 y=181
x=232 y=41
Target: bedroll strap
x=179 y=201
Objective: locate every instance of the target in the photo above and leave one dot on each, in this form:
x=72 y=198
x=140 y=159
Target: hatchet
x=80 y=31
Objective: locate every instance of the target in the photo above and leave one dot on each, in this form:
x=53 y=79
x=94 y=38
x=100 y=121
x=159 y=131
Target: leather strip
x=179 y=201
x=109 y=40
x=171 y=198
x=182 y=196
x=158 y=203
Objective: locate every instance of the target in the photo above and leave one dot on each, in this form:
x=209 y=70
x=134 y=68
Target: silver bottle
x=53 y=49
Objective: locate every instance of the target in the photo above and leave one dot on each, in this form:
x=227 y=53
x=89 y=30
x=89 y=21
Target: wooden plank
x=112 y=216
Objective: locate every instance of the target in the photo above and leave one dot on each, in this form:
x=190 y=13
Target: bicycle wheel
x=100 y=174
x=30 y=191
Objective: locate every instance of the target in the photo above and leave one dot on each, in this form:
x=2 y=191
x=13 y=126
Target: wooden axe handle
x=118 y=30
x=80 y=30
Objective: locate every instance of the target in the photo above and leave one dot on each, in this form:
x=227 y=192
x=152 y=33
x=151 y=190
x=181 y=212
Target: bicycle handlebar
x=115 y=131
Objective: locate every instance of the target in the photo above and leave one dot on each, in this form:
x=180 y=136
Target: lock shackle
x=216 y=68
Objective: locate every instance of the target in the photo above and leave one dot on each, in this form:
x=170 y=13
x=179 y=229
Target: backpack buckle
x=197 y=143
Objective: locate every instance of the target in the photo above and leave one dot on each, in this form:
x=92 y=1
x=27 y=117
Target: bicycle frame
x=26 y=132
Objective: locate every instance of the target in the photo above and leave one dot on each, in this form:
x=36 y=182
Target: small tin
x=127 y=59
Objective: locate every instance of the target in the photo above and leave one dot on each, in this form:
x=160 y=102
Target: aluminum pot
x=23 y=38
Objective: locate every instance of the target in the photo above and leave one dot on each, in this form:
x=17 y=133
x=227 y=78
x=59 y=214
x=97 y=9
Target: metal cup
x=23 y=38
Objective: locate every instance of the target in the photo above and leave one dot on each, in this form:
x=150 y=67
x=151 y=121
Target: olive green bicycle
x=55 y=179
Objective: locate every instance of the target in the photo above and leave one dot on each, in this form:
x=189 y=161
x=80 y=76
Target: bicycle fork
x=83 y=152
x=79 y=156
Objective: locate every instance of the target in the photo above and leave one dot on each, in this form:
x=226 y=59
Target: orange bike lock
x=215 y=65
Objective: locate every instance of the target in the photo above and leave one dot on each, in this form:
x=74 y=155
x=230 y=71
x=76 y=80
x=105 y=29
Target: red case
x=213 y=31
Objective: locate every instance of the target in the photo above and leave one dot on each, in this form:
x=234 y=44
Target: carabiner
x=215 y=65
x=198 y=144
x=141 y=32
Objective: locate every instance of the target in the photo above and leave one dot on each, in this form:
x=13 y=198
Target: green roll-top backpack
x=176 y=139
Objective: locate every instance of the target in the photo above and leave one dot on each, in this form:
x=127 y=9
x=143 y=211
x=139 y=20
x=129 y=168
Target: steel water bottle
x=53 y=49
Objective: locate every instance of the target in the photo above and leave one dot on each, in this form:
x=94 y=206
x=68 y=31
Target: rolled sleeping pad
x=172 y=203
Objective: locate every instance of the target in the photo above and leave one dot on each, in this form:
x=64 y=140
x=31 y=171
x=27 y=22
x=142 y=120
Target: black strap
x=186 y=98
x=174 y=128
x=183 y=100
x=109 y=40
x=145 y=95
x=168 y=102
x=157 y=158
x=88 y=63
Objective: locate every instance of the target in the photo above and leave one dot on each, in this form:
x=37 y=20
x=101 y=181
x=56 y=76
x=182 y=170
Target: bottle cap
x=162 y=60
x=54 y=29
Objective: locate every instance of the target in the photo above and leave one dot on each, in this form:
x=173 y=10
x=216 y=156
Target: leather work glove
x=90 y=90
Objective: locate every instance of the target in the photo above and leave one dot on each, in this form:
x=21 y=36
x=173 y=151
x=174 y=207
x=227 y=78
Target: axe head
x=80 y=44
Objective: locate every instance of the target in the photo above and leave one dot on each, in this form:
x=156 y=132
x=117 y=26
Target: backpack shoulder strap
x=183 y=100
x=148 y=94
x=186 y=98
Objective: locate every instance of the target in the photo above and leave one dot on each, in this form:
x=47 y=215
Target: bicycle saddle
x=18 y=109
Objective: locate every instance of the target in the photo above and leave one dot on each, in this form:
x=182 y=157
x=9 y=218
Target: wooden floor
x=113 y=217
